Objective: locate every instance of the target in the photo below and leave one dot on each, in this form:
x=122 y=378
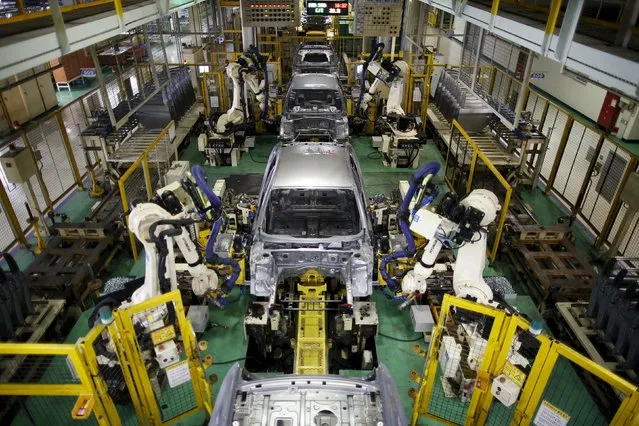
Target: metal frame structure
x=505 y=329
x=142 y=161
x=477 y=154
x=91 y=389
x=127 y=333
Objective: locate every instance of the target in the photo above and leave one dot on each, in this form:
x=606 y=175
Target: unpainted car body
x=308 y=400
x=313 y=57
x=314 y=103
x=312 y=214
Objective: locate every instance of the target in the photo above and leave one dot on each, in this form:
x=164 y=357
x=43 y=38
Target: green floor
x=227 y=344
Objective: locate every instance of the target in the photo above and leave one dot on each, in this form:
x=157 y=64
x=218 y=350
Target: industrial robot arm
x=461 y=225
x=244 y=71
x=158 y=231
x=390 y=74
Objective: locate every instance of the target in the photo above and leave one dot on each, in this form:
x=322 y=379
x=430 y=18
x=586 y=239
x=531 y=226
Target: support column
x=103 y=92
x=58 y=23
x=149 y=50
x=567 y=30
x=195 y=25
x=521 y=97
x=69 y=150
x=628 y=20
x=476 y=61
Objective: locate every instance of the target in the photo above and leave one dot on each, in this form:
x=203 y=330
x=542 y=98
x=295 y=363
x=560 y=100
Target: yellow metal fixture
x=311 y=353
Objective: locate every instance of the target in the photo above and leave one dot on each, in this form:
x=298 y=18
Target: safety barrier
x=147 y=174
x=59 y=383
x=481 y=348
x=47 y=384
x=590 y=185
x=185 y=390
x=465 y=160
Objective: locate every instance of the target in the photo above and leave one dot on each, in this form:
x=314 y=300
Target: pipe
x=200 y=179
x=378 y=47
x=428 y=169
x=390 y=282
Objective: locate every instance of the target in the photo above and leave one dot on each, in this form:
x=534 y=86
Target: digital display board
x=326 y=8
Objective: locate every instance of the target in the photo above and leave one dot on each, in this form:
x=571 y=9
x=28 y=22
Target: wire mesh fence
x=174 y=393
x=523 y=349
x=576 y=402
x=468 y=168
x=459 y=351
x=40 y=410
x=520 y=376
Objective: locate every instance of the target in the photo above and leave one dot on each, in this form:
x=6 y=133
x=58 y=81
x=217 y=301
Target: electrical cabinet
x=18 y=165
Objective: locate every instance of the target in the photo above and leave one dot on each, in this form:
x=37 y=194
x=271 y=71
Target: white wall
x=586 y=98
x=450 y=49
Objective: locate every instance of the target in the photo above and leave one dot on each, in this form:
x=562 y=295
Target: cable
x=254 y=160
x=229 y=361
x=400 y=340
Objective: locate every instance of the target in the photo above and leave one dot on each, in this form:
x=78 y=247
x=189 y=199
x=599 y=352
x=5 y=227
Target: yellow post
x=125 y=207
x=471 y=174
x=69 y=150
x=495 y=7
x=555 y=8
x=20 y=4
x=147 y=177
x=119 y=12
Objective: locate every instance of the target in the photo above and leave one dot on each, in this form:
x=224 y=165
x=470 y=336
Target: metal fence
x=60 y=384
x=468 y=167
x=47 y=384
x=147 y=172
x=546 y=374
x=171 y=402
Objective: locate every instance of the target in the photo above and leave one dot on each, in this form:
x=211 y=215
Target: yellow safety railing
x=24 y=14
x=43 y=382
x=183 y=403
x=463 y=160
x=138 y=175
x=546 y=373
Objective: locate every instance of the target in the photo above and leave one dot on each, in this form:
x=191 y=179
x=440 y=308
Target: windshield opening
x=315 y=100
x=312 y=213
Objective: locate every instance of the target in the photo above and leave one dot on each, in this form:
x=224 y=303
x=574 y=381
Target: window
x=312 y=213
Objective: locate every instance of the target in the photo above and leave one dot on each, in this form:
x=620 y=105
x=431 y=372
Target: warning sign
x=178 y=373
x=514 y=374
x=549 y=415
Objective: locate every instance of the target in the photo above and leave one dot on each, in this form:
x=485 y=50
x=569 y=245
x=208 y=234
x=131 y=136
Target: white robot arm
x=391 y=75
x=243 y=72
x=142 y=219
x=463 y=225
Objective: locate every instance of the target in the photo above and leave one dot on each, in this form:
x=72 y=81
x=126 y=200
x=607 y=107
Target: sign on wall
x=327 y=8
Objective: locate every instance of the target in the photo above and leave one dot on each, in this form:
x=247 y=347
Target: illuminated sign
x=327 y=8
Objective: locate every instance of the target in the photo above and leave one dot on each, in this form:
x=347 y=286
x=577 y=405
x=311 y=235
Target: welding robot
x=402 y=138
x=227 y=132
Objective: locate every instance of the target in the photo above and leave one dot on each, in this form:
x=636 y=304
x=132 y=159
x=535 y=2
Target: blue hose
x=428 y=169
x=200 y=179
x=390 y=282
